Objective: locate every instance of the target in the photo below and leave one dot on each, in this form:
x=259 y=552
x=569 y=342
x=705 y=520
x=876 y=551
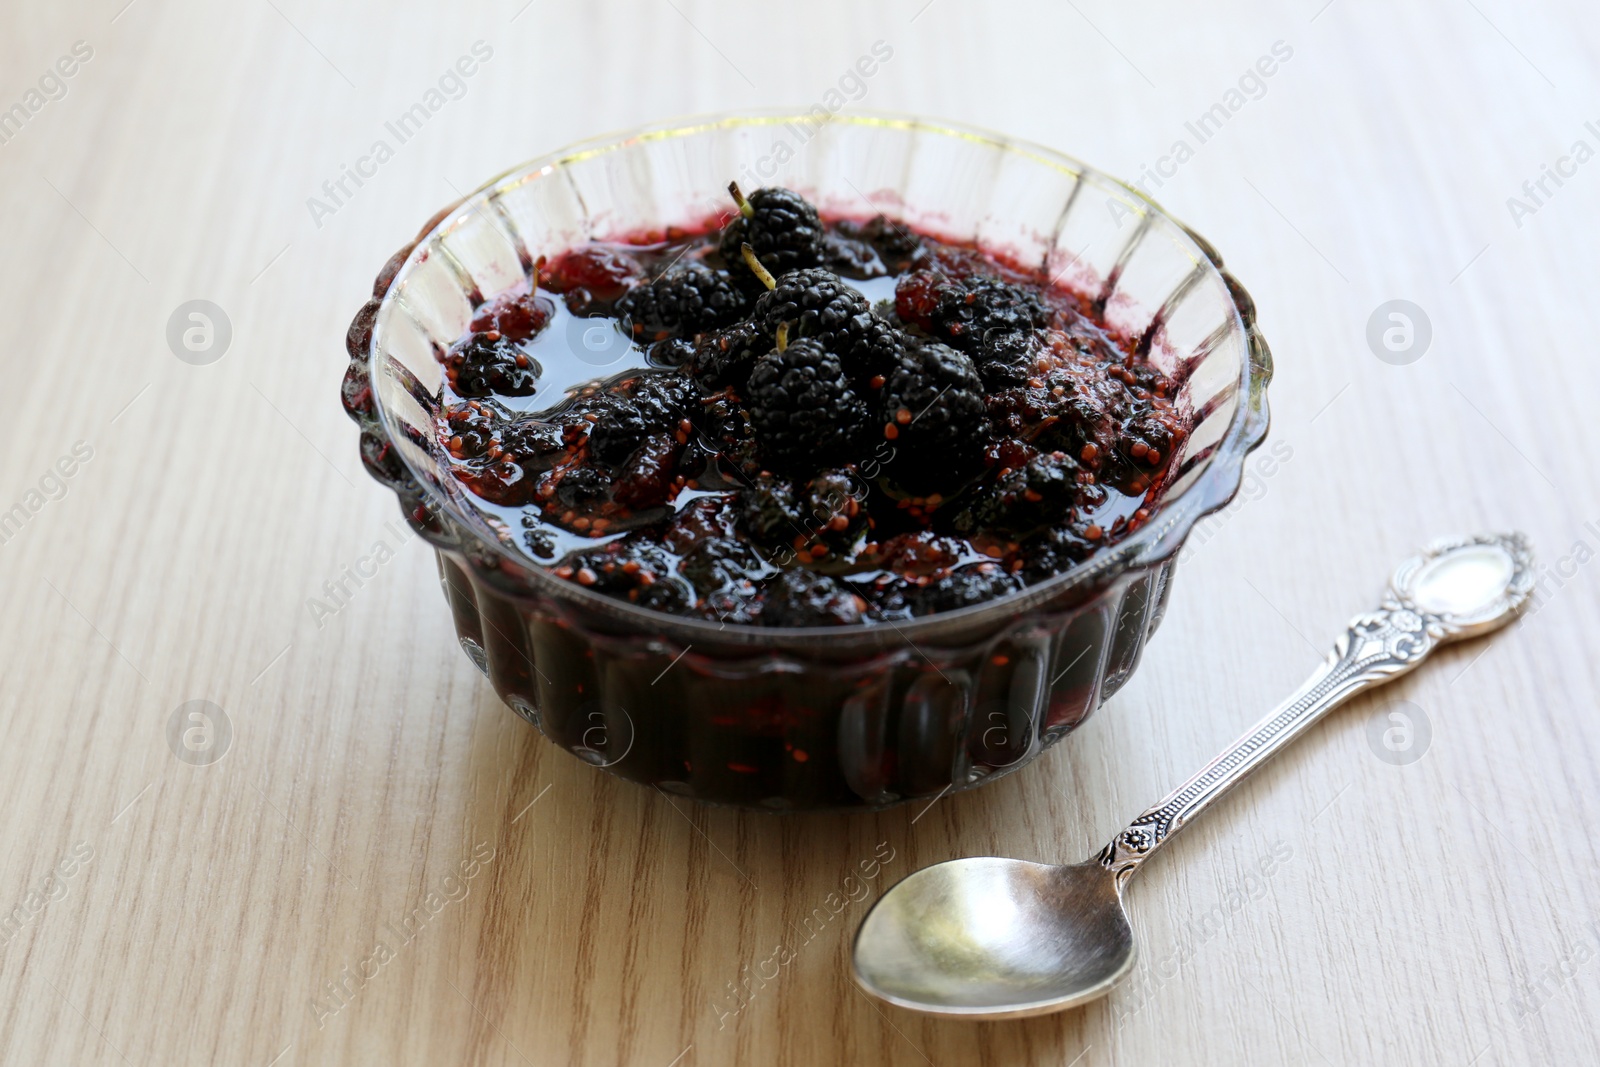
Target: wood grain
x=307 y=898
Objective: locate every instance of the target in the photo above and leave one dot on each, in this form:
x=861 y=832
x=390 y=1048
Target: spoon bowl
x=991 y=938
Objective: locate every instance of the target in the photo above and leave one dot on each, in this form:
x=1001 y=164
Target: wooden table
x=387 y=866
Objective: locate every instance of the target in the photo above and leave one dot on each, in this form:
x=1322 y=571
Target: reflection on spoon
x=1458 y=582
x=991 y=938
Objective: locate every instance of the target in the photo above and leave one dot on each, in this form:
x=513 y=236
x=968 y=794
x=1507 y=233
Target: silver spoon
x=991 y=938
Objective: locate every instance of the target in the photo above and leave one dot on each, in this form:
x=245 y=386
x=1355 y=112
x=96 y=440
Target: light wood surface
x=1338 y=909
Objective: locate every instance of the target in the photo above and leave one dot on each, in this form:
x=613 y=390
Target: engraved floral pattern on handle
x=1374 y=648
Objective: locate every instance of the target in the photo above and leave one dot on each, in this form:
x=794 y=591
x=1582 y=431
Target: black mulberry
x=701 y=520
x=648 y=478
x=836 y=514
x=724 y=357
x=802 y=598
x=896 y=246
x=771 y=510
x=1037 y=494
x=653 y=402
x=685 y=300
x=632 y=569
x=670 y=352
x=582 y=488
x=973 y=584
x=618 y=429
x=815 y=303
x=489 y=364
x=724 y=573
x=933 y=409
x=961 y=311
x=533 y=444
x=1055 y=551
x=723 y=434
x=1007 y=358
x=471 y=429
x=852 y=257
x=803 y=408
x=970 y=308
x=665 y=397
x=871 y=349
x=819 y=304
x=781 y=226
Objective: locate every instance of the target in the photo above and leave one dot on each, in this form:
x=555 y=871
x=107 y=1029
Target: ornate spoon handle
x=1457 y=588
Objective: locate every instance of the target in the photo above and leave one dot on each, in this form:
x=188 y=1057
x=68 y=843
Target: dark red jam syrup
x=886 y=425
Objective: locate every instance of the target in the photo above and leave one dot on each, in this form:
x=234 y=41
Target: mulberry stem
x=756 y=266
x=738 y=198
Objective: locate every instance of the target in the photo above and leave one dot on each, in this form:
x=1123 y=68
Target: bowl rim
x=1157 y=541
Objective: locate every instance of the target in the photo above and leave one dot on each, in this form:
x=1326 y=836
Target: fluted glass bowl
x=839 y=717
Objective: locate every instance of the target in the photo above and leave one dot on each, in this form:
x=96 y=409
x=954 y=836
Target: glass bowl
x=855 y=717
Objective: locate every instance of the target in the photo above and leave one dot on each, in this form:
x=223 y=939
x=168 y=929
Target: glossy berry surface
x=783 y=229
x=788 y=451
x=963 y=311
x=724 y=357
x=814 y=303
x=803 y=406
x=682 y=302
x=487 y=364
x=932 y=407
x=802 y=598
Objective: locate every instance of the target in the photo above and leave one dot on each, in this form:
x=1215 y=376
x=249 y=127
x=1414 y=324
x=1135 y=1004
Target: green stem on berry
x=756 y=266
x=738 y=198
x=783 y=336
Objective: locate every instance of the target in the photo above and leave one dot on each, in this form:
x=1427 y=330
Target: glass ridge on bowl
x=846 y=717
